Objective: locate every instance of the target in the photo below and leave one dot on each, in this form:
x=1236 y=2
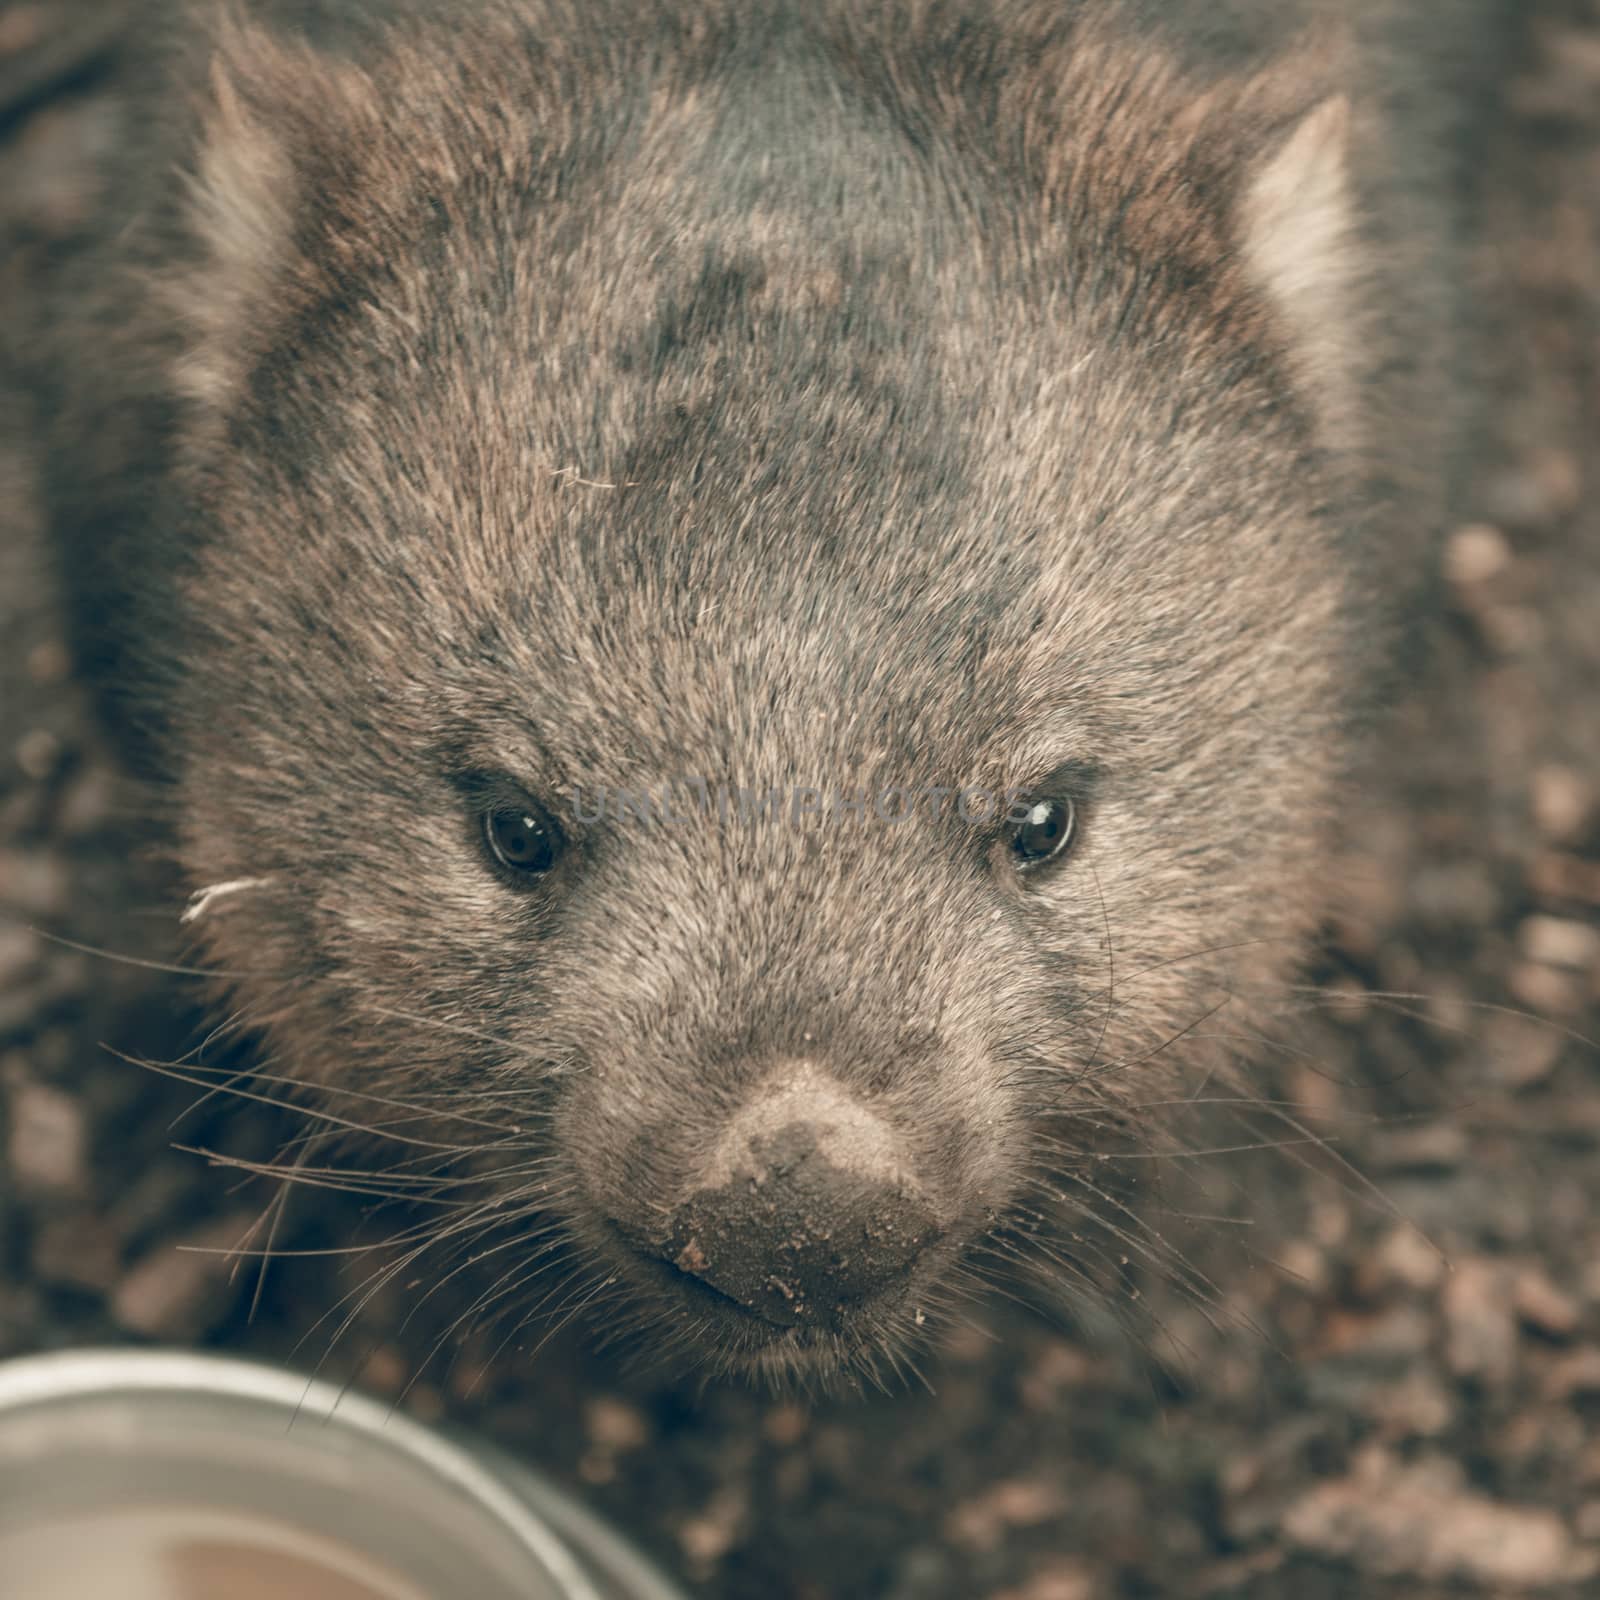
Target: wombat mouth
x=769 y=1296
x=774 y=1340
x=705 y=1296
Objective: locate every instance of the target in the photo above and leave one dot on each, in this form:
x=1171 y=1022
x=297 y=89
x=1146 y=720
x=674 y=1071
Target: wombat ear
x=241 y=195
x=266 y=104
x=1298 y=238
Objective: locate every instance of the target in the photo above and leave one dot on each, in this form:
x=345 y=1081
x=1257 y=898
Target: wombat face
x=763 y=657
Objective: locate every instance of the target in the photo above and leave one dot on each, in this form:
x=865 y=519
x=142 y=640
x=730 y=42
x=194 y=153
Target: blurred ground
x=1394 y=1390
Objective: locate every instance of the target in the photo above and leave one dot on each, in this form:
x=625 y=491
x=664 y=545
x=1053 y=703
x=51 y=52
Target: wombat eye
x=1045 y=829
x=522 y=838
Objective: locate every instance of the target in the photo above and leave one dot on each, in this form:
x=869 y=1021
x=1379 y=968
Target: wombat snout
x=806 y=1208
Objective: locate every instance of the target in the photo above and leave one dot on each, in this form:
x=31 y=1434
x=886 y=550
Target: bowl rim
x=550 y=1527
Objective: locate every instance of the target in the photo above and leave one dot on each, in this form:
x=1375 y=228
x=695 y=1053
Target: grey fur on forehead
x=761 y=292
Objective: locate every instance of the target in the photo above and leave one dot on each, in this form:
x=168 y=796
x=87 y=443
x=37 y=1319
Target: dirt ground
x=1384 y=1380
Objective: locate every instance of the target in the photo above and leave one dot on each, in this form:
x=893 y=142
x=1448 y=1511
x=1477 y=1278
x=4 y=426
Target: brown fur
x=865 y=394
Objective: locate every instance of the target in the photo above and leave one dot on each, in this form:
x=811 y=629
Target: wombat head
x=768 y=639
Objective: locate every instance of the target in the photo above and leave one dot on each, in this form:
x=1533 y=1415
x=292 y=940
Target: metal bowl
x=175 y=1476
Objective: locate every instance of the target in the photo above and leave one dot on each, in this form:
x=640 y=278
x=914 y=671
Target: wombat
x=754 y=614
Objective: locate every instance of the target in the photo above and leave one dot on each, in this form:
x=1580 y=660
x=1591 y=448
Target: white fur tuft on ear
x=1299 y=240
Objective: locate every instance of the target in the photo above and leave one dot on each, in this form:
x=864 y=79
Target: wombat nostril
x=806 y=1209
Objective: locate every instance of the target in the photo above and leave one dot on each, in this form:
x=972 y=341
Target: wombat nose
x=806 y=1208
